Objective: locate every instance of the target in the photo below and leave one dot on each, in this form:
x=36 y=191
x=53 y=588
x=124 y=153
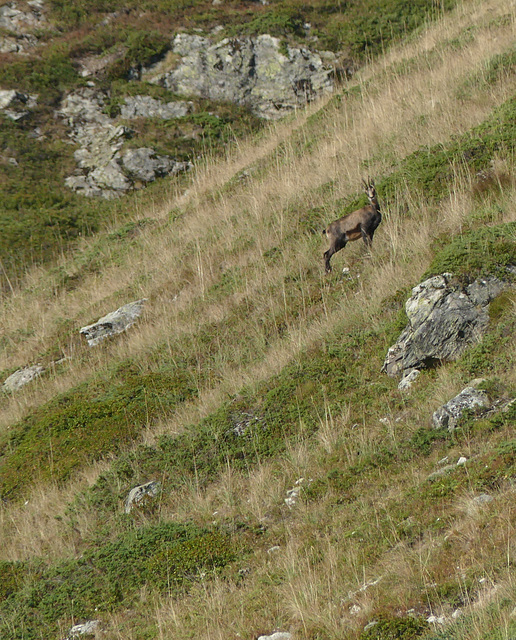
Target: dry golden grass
x=333 y=565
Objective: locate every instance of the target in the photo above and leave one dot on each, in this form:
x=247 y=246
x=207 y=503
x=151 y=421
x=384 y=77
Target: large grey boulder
x=148 y=107
x=20 y=378
x=113 y=323
x=470 y=398
x=444 y=318
x=141 y=494
x=251 y=71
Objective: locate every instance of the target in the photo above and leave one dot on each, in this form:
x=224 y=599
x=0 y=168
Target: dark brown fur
x=362 y=223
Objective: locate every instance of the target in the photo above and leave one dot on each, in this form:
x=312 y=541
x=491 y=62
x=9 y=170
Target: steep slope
x=252 y=374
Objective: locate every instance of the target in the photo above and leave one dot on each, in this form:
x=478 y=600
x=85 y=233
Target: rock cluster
x=104 y=170
x=250 y=71
x=444 y=318
x=20 y=25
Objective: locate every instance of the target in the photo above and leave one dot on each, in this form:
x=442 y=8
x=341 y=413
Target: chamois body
x=361 y=223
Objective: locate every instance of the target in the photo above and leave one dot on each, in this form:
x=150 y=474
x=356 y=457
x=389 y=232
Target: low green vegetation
x=87 y=423
x=167 y=556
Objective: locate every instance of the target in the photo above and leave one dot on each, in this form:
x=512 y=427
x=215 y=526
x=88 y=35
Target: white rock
x=148 y=107
x=140 y=493
x=113 y=323
x=449 y=414
x=20 y=378
x=86 y=628
x=408 y=379
x=278 y=635
x=462 y=460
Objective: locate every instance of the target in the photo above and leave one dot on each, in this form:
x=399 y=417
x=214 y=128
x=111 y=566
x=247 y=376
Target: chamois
x=361 y=223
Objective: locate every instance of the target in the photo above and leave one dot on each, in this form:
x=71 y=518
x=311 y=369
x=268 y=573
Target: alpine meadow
x=207 y=432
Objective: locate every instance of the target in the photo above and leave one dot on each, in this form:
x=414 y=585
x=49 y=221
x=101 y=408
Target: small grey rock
x=20 y=378
x=443 y=320
x=278 y=635
x=470 y=398
x=408 y=379
x=88 y=628
x=140 y=493
x=148 y=107
x=113 y=323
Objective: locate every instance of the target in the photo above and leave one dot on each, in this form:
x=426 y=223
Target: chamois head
x=369 y=189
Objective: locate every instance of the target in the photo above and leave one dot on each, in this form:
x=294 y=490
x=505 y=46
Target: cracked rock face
x=250 y=71
x=444 y=319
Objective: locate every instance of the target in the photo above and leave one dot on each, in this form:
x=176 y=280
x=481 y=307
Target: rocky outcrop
x=469 y=399
x=103 y=169
x=148 y=107
x=20 y=378
x=139 y=495
x=113 y=323
x=20 y=24
x=444 y=318
x=252 y=71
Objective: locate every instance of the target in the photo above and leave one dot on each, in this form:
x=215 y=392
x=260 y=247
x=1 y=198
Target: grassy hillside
x=252 y=373
x=41 y=217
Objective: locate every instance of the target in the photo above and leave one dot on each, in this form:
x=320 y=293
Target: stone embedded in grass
x=113 y=323
x=15 y=105
x=88 y=628
x=139 y=495
x=278 y=635
x=444 y=319
x=408 y=379
x=20 y=378
x=469 y=399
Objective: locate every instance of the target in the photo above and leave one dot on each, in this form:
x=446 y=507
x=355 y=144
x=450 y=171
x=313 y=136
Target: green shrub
x=389 y=627
x=480 y=252
x=167 y=557
x=85 y=424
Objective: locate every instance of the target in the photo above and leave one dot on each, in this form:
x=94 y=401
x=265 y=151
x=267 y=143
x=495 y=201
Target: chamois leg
x=327 y=255
x=335 y=246
x=367 y=237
